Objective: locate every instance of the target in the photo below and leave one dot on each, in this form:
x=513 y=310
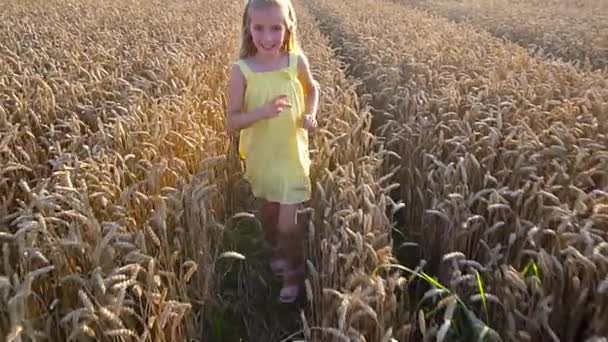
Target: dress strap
x=244 y=68
x=293 y=64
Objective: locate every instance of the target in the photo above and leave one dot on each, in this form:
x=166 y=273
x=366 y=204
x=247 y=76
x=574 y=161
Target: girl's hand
x=275 y=106
x=309 y=123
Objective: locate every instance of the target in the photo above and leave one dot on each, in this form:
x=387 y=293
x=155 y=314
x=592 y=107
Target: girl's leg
x=269 y=216
x=291 y=234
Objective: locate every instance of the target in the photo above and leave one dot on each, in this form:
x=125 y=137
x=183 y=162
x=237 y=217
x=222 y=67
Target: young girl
x=272 y=101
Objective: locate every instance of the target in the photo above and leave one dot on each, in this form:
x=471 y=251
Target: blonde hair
x=290 y=44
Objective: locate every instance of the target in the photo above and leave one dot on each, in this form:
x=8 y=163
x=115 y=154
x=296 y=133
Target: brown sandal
x=290 y=293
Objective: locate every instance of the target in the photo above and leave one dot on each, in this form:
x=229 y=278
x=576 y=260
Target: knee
x=286 y=225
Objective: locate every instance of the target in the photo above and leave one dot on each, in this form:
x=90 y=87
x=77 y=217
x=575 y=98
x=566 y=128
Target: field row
x=503 y=161
x=579 y=6
x=350 y=235
x=559 y=31
x=107 y=116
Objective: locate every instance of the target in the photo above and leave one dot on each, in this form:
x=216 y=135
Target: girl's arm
x=235 y=118
x=311 y=87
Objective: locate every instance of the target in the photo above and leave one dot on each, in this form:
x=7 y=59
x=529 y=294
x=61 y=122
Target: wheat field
x=460 y=177
x=575 y=31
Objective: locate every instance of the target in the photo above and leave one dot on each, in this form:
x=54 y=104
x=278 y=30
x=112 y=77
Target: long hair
x=291 y=42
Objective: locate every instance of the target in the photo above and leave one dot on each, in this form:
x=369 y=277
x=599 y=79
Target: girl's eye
x=276 y=28
x=257 y=27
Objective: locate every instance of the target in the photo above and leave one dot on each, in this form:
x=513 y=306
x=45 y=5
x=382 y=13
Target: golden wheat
x=556 y=29
x=350 y=232
x=97 y=135
x=117 y=180
x=483 y=130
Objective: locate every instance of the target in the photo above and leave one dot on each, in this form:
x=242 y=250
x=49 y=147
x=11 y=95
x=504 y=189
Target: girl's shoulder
x=241 y=67
x=302 y=60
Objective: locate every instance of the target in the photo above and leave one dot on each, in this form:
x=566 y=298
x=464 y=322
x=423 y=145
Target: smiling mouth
x=266 y=47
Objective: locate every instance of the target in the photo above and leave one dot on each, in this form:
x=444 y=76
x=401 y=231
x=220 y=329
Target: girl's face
x=268 y=30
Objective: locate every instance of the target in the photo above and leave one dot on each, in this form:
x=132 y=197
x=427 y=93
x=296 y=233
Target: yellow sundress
x=276 y=153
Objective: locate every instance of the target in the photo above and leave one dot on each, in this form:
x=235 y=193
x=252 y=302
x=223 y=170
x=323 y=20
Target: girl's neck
x=269 y=60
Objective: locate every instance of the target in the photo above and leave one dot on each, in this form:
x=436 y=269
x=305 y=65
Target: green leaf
x=482 y=291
